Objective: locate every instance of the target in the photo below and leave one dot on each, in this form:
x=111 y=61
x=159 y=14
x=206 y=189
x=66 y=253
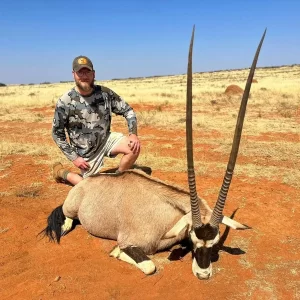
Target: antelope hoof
x=147 y=267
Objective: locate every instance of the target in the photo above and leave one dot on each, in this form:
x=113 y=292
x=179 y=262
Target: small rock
x=57 y=278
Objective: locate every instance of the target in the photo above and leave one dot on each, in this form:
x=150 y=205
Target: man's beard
x=85 y=86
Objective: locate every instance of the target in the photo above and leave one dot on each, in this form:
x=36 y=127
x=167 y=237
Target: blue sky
x=132 y=38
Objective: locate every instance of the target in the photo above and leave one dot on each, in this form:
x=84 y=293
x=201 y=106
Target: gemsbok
x=145 y=215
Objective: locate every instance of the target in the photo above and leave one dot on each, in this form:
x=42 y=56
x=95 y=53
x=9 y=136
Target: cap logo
x=82 y=61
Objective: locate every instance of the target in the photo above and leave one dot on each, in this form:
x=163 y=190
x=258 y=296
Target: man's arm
x=58 y=130
x=120 y=107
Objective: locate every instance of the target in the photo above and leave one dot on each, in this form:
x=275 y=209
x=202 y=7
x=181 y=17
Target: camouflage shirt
x=87 y=121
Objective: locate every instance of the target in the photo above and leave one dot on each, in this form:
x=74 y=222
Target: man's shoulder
x=112 y=94
x=104 y=89
x=69 y=96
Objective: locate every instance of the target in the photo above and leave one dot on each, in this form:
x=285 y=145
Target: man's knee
x=135 y=154
x=125 y=147
x=131 y=153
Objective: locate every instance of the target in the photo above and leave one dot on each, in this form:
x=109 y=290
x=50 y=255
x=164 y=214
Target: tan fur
x=132 y=208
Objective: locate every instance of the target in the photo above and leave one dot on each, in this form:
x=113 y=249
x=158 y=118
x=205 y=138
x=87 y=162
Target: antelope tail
x=55 y=221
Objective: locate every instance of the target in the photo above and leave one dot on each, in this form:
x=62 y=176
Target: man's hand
x=80 y=163
x=134 y=143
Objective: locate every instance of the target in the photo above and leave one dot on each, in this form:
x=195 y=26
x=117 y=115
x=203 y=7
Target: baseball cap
x=80 y=62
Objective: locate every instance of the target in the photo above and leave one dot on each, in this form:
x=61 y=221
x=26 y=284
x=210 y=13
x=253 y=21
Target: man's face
x=84 y=79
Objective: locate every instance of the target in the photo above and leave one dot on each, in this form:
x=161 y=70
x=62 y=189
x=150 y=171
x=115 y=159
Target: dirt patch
x=233 y=90
x=272 y=136
x=46 y=111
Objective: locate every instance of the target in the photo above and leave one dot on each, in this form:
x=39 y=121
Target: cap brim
x=81 y=67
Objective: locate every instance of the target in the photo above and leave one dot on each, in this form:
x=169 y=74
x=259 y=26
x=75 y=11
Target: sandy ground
x=262 y=263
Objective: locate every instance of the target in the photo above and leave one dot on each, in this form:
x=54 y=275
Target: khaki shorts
x=96 y=162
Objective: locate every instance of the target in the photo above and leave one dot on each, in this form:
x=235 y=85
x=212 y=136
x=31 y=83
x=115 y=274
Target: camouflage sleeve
x=58 y=130
x=120 y=107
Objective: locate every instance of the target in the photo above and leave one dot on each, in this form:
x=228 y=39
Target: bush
x=2 y=84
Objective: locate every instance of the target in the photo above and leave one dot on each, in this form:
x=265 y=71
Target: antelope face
x=203 y=239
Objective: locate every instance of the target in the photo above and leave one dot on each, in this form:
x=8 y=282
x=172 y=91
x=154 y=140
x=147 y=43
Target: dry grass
x=4 y=164
x=9 y=147
x=31 y=191
x=3 y=230
x=270 y=134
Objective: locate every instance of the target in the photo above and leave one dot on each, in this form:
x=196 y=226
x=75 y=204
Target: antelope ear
x=234 y=224
x=184 y=223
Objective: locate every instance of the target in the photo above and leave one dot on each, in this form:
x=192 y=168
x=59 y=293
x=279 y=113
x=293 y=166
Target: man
x=85 y=113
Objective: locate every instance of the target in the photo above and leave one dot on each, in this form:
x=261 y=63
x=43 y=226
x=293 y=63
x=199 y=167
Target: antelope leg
x=183 y=223
x=135 y=256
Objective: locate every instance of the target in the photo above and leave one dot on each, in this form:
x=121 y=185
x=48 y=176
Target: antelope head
x=204 y=232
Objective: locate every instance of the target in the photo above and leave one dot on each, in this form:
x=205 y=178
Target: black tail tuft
x=55 y=221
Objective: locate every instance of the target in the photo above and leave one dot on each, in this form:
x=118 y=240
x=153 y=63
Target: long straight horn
x=218 y=209
x=196 y=217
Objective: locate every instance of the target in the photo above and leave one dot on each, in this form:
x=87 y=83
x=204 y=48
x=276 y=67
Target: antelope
x=144 y=214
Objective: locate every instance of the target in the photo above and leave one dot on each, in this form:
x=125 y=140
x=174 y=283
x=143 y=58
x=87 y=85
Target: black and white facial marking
x=203 y=239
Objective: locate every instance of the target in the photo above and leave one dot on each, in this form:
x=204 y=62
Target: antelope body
x=145 y=215
x=132 y=208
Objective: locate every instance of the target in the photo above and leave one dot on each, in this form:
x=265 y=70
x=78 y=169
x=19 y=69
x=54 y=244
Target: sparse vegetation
x=7 y=94
x=2 y=230
x=286 y=109
x=273 y=107
x=31 y=191
x=23 y=148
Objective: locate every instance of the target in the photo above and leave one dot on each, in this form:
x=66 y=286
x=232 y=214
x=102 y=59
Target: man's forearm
x=131 y=121
x=132 y=126
x=63 y=145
